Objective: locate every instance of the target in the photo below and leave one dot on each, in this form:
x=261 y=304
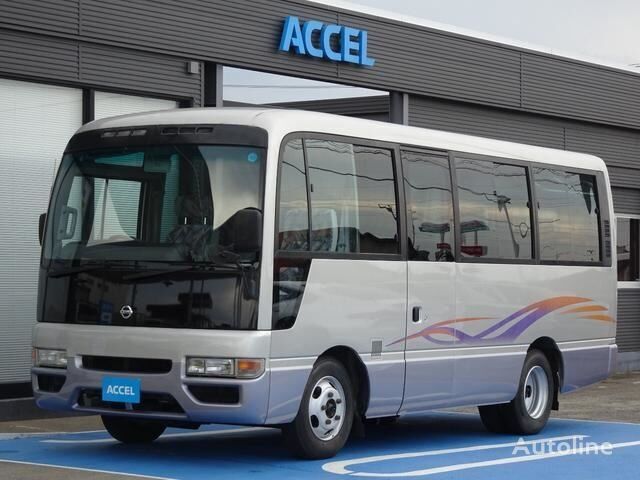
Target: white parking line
x=81 y=469
x=230 y=431
x=340 y=467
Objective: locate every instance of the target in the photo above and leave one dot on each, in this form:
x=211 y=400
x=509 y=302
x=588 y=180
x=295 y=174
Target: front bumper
x=251 y=405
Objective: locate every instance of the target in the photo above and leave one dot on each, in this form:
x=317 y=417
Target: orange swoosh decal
x=602 y=318
x=587 y=308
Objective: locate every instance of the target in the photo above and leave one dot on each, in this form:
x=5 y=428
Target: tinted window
x=353 y=200
x=567 y=216
x=289 y=281
x=293 y=216
x=110 y=202
x=427 y=185
x=377 y=208
x=495 y=218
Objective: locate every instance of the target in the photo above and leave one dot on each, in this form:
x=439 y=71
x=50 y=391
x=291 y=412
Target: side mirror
x=245 y=230
x=41 y=222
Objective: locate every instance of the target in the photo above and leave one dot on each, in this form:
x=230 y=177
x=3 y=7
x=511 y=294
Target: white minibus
x=315 y=272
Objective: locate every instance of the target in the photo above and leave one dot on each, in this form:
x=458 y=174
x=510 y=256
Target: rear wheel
x=132 y=430
x=325 y=417
x=529 y=411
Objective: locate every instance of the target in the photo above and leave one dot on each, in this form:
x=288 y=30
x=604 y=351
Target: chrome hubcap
x=327 y=408
x=536 y=392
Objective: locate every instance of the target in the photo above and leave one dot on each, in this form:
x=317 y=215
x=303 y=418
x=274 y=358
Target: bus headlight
x=50 y=358
x=225 y=367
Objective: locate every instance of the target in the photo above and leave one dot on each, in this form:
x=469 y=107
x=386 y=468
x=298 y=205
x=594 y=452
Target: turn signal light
x=249 y=367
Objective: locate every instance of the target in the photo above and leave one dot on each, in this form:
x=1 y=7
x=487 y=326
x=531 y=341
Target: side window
x=353 y=199
x=427 y=186
x=353 y=210
x=289 y=282
x=568 y=216
x=377 y=206
x=293 y=214
x=495 y=218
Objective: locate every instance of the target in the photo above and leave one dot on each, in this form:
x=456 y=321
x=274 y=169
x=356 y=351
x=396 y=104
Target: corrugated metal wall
x=628 y=320
x=117 y=68
x=476 y=120
x=620 y=148
x=28 y=56
x=372 y=108
x=410 y=58
x=627 y=200
x=580 y=91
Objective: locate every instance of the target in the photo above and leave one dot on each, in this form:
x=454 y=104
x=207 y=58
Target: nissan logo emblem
x=126 y=311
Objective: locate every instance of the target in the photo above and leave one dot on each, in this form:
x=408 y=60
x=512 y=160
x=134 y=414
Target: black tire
x=513 y=417
x=299 y=434
x=131 y=430
x=493 y=418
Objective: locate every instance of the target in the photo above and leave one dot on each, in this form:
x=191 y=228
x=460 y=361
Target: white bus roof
x=280 y=122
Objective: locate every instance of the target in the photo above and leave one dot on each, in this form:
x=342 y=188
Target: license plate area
x=121 y=390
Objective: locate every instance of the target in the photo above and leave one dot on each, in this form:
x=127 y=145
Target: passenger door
x=431 y=271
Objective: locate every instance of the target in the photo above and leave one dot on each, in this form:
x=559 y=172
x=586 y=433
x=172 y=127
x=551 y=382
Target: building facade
x=63 y=63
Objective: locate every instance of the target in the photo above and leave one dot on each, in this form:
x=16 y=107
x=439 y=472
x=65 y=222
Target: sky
x=605 y=31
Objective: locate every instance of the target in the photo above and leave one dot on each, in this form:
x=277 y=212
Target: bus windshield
x=167 y=203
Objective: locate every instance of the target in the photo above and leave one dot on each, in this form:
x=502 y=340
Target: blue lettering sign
x=118 y=389
x=307 y=31
x=328 y=31
x=333 y=42
x=292 y=36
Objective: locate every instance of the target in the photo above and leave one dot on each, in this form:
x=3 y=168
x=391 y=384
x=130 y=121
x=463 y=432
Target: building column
x=88 y=105
x=212 y=85
x=399 y=108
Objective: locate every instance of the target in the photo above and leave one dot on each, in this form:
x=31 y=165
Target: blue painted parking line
x=442 y=446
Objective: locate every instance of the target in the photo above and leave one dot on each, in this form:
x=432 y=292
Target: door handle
x=416 y=315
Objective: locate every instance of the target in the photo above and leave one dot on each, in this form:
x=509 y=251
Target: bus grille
x=127 y=365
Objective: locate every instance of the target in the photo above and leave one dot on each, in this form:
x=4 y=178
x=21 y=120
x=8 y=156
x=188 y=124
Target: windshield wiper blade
x=155 y=273
x=65 y=272
x=87 y=267
x=195 y=268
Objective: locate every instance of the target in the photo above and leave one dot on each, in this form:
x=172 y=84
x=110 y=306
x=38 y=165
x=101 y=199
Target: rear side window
x=495 y=218
x=427 y=186
x=353 y=206
x=568 y=216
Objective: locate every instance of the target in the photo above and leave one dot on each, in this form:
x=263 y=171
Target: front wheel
x=325 y=416
x=529 y=411
x=132 y=430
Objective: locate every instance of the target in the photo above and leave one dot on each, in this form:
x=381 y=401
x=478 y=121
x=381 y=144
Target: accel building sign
x=333 y=42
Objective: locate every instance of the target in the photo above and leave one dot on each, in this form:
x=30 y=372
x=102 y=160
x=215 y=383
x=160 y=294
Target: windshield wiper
x=196 y=268
x=65 y=272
